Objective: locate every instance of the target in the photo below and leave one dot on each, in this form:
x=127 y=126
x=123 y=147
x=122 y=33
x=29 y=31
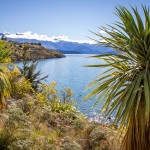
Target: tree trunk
x=138 y=133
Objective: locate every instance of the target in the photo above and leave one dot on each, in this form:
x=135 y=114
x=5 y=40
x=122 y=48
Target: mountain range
x=63 y=45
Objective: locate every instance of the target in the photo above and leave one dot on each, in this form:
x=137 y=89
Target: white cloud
x=30 y=35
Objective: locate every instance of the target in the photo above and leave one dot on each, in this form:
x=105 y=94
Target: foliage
x=58 y=103
x=3 y=37
x=126 y=84
x=47 y=93
x=16 y=125
x=4 y=81
x=19 y=84
x=66 y=95
x=28 y=70
x=21 y=88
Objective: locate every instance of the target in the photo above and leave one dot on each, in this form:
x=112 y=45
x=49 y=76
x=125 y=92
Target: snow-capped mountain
x=61 y=43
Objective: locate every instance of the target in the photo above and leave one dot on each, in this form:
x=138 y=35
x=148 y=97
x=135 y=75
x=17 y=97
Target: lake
x=70 y=72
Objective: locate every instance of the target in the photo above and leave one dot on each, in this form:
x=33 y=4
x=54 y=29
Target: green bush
x=20 y=86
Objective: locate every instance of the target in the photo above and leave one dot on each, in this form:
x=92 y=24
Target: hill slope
x=32 y=51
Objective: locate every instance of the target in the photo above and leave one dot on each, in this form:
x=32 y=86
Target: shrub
x=16 y=126
x=64 y=102
x=28 y=70
x=20 y=86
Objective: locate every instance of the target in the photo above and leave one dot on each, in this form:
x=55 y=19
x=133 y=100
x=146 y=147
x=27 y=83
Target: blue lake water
x=70 y=72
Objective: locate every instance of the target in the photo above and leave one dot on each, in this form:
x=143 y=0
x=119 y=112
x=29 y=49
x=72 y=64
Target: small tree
x=39 y=44
x=28 y=70
x=3 y=37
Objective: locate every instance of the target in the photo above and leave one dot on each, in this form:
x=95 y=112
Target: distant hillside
x=32 y=51
x=69 y=52
x=67 y=47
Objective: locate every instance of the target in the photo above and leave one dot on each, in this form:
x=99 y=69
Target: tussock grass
x=41 y=127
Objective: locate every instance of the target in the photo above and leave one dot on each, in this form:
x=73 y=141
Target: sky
x=72 y=18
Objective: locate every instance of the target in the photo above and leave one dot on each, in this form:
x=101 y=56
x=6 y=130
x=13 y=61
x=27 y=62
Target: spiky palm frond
x=126 y=85
x=5 y=54
x=5 y=87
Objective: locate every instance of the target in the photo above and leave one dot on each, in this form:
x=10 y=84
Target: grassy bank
x=47 y=121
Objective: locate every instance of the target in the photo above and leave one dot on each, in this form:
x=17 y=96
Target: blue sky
x=73 y=18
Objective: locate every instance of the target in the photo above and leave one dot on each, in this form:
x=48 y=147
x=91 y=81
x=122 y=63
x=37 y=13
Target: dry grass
x=41 y=128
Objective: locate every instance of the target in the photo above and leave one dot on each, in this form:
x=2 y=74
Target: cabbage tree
x=126 y=83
